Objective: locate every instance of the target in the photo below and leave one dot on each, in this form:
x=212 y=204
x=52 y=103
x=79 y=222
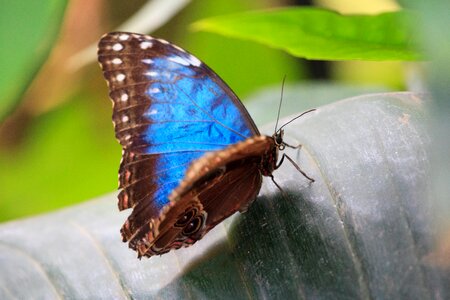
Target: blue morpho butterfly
x=192 y=156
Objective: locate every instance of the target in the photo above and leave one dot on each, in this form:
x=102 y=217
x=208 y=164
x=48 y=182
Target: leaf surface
x=314 y=33
x=362 y=230
x=28 y=30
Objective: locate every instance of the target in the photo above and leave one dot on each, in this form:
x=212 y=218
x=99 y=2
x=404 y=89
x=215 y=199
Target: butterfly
x=192 y=155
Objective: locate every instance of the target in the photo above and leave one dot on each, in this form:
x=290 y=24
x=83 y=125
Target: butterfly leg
x=278 y=186
x=294 y=164
x=293 y=147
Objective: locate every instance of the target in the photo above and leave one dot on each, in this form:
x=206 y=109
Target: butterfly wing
x=169 y=109
x=216 y=186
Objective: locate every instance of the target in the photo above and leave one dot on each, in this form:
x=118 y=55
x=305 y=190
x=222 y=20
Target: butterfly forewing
x=153 y=83
x=169 y=109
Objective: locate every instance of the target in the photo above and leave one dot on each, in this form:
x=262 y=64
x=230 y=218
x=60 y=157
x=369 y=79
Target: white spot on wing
x=116 y=61
x=124 y=37
x=151 y=73
x=179 y=60
x=147 y=61
x=194 y=60
x=153 y=112
x=125 y=118
x=117 y=47
x=179 y=48
x=146 y=44
x=154 y=90
x=163 y=41
x=120 y=77
x=124 y=97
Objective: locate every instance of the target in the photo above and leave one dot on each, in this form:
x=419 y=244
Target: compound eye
x=279 y=139
x=193 y=226
x=181 y=222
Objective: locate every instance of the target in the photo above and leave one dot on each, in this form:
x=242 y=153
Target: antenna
x=303 y=113
x=281 y=101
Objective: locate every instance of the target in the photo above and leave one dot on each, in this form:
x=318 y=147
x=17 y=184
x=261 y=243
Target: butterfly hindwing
x=169 y=109
x=215 y=187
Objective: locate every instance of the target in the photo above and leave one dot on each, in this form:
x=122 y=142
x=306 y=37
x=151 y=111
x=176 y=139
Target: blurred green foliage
x=68 y=154
x=27 y=30
x=320 y=34
x=230 y=58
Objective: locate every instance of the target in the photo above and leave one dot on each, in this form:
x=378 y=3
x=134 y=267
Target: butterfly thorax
x=270 y=158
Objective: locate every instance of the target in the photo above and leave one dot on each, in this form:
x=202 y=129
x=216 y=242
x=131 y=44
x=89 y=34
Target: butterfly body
x=192 y=156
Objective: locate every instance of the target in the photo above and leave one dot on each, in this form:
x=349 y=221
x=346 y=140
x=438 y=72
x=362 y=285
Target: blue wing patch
x=169 y=109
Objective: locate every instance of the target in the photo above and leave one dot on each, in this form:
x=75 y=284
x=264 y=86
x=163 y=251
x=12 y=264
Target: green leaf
x=362 y=230
x=219 y=53
x=28 y=30
x=72 y=144
x=320 y=34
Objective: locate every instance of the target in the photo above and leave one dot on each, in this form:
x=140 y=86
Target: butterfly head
x=278 y=139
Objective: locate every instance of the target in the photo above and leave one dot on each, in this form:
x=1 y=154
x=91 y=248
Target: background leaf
x=320 y=34
x=28 y=30
x=362 y=230
x=62 y=133
x=241 y=64
x=66 y=137
x=73 y=146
